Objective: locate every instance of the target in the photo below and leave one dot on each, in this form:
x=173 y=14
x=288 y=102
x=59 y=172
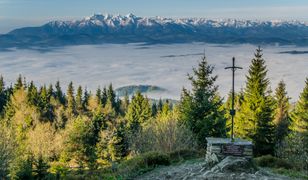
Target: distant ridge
x=98 y=29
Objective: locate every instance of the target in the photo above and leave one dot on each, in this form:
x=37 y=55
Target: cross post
x=232 y=111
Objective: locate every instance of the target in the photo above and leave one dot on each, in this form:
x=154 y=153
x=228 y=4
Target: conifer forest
x=55 y=132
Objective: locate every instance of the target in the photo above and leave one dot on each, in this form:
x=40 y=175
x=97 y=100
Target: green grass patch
x=291 y=173
x=133 y=167
x=272 y=162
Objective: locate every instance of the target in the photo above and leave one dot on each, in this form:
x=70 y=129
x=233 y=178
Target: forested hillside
x=48 y=133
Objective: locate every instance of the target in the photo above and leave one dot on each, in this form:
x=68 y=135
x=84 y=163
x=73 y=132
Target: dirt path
x=197 y=169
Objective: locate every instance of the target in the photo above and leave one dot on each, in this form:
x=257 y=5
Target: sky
x=19 y=13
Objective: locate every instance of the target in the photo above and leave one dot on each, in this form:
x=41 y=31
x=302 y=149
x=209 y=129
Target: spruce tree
x=160 y=105
x=85 y=102
x=79 y=104
x=282 y=119
x=139 y=111
x=202 y=109
x=104 y=96
x=71 y=103
x=44 y=105
x=154 y=109
x=19 y=84
x=3 y=97
x=59 y=94
x=111 y=96
x=256 y=117
x=300 y=115
x=98 y=95
x=124 y=104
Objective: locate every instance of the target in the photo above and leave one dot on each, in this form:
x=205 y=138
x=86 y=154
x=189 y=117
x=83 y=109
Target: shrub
x=141 y=164
x=185 y=154
x=59 y=169
x=272 y=162
x=153 y=159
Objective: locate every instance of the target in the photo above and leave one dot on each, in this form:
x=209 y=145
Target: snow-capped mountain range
x=130 y=29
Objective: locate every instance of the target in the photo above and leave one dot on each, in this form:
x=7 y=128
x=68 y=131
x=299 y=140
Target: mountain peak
x=100 y=28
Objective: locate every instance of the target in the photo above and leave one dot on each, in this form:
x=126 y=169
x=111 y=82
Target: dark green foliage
x=154 y=110
x=85 y=101
x=300 y=115
x=71 y=103
x=33 y=95
x=160 y=105
x=3 y=96
x=238 y=101
x=79 y=100
x=201 y=109
x=80 y=143
x=272 y=162
x=111 y=97
x=104 y=96
x=19 y=84
x=139 y=111
x=282 y=119
x=124 y=105
x=22 y=169
x=145 y=162
x=59 y=94
x=44 y=104
x=98 y=95
x=256 y=117
x=40 y=168
x=113 y=144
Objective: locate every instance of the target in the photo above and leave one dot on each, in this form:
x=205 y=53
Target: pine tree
x=111 y=97
x=113 y=144
x=98 y=95
x=256 y=117
x=71 y=103
x=300 y=115
x=19 y=84
x=124 y=104
x=79 y=104
x=59 y=94
x=160 y=105
x=282 y=119
x=154 y=109
x=3 y=97
x=50 y=92
x=104 y=96
x=139 y=111
x=202 y=109
x=85 y=102
x=44 y=105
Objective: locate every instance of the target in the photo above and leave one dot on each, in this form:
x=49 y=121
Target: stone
x=234 y=164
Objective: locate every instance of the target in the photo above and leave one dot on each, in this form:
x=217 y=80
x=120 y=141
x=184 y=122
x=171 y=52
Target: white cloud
x=94 y=66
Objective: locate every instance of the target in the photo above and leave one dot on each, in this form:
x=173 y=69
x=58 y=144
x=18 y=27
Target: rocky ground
x=229 y=168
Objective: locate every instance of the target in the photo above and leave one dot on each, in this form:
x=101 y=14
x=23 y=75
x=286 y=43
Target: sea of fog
x=162 y=65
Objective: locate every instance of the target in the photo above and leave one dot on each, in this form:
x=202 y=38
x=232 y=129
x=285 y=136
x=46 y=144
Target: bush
x=185 y=154
x=153 y=159
x=272 y=162
x=141 y=164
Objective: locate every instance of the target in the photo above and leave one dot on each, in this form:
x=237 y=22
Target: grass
x=291 y=173
x=280 y=166
x=135 y=166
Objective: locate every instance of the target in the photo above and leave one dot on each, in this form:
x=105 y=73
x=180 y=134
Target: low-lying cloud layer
x=135 y=64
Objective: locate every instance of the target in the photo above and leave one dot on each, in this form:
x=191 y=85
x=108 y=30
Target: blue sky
x=18 y=13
